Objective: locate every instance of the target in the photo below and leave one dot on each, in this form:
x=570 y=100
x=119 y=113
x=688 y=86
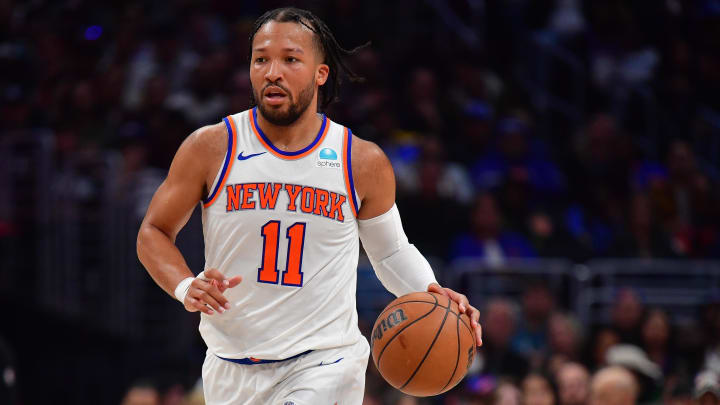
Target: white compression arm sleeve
x=401 y=268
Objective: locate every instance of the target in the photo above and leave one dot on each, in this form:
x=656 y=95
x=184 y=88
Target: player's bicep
x=374 y=178
x=174 y=201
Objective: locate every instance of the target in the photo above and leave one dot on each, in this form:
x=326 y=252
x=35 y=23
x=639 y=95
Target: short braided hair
x=332 y=53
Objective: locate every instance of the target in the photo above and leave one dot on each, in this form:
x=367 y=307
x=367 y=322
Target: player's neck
x=295 y=136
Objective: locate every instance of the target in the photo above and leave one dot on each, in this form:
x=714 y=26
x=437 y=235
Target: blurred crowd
x=517 y=129
x=631 y=172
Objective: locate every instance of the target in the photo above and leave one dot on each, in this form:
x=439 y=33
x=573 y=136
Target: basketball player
x=285 y=195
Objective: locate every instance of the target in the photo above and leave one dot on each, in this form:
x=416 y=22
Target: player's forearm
x=401 y=268
x=161 y=258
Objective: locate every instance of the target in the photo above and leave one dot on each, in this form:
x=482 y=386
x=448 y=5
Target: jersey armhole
x=227 y=164
x=347 y=172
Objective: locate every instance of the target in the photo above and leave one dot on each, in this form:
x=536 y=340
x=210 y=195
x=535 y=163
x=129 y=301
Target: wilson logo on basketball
x=396 y=317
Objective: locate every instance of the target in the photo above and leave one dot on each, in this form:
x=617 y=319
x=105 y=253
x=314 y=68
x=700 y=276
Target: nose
x=273 y=73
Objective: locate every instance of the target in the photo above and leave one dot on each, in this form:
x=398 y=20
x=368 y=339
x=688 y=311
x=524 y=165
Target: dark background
x=560 y=154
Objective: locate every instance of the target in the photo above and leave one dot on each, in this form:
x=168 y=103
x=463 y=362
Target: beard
x=296 y=108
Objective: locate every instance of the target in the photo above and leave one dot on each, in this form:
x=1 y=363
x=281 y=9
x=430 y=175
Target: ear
x=321 y=74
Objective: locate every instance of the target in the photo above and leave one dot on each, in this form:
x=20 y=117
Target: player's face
x=285 y=71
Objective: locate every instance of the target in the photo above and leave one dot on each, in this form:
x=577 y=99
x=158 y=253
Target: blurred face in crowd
x=627 y=310
x=538 y=303
x=613 y=385
x=656 y=330
x=507 y=394
x=604 y=339
x=500 y=321
x=537 y=391
x=486 y=219
x=142 y=396
x=564 y=337
x=708 y=398
x=573 y=384
x=285 y=70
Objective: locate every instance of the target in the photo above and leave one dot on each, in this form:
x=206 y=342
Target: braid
x=333 y=54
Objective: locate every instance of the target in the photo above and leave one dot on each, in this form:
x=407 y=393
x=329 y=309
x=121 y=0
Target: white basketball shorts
x=331 y=376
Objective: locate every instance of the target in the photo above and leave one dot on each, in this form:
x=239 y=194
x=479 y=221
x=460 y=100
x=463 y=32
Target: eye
x=259 y=60
x=291 y=59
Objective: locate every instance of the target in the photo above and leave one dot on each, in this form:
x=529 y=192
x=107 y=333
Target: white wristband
x=182 y=289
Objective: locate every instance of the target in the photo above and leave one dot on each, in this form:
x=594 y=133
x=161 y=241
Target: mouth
x=274 y=95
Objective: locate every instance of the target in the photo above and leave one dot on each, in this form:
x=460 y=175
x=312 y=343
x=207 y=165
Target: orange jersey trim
x=252 y=114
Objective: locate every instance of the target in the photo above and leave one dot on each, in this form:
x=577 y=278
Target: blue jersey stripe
x=231 y=140
x=349 y=169
x=286 y=153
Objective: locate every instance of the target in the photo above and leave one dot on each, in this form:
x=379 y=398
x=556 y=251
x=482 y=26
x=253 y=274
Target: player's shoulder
x=369 y=164
x=202 y=149
x=366 y=153
x=205 y=144
x=210 y=139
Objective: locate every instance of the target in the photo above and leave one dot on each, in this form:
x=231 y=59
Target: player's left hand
x=464 y=305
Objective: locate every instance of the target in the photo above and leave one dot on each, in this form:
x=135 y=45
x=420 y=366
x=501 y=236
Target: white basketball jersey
x=286 y=223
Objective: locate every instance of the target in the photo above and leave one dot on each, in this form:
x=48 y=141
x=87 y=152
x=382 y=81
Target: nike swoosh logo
x=241 y=157
x=327 y=364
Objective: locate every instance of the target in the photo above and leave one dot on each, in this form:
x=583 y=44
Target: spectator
x=517 y=159
x=422 y=111
x=195 y=396
x=487 y=240
x=538 y=389
x=507 y=393
x=432 y=176
x=711 y=325
x=573 y=382
x=551 y=239
x=202 y=103
x=657 y=340
x=644 y=237
x=613 y=385
x=707 y=388
x=431 y=183
x=531 y=340
x=497 y=355
x=648 y=375
x=142 y=393
x=165 y=53
x=598 y=178
x=565 y=339
x=627 y=313
x=685 y=203
x=603 y=340
x=680 y=394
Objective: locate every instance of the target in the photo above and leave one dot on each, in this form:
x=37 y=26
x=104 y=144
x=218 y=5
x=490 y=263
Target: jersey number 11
x=268 y=272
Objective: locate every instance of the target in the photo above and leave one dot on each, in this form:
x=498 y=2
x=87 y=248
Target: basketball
x=421 y=344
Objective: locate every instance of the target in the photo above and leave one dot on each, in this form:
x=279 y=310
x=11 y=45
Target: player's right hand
x=206 y=294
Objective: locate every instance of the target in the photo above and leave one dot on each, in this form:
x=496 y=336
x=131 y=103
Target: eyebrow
x=297 y=50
